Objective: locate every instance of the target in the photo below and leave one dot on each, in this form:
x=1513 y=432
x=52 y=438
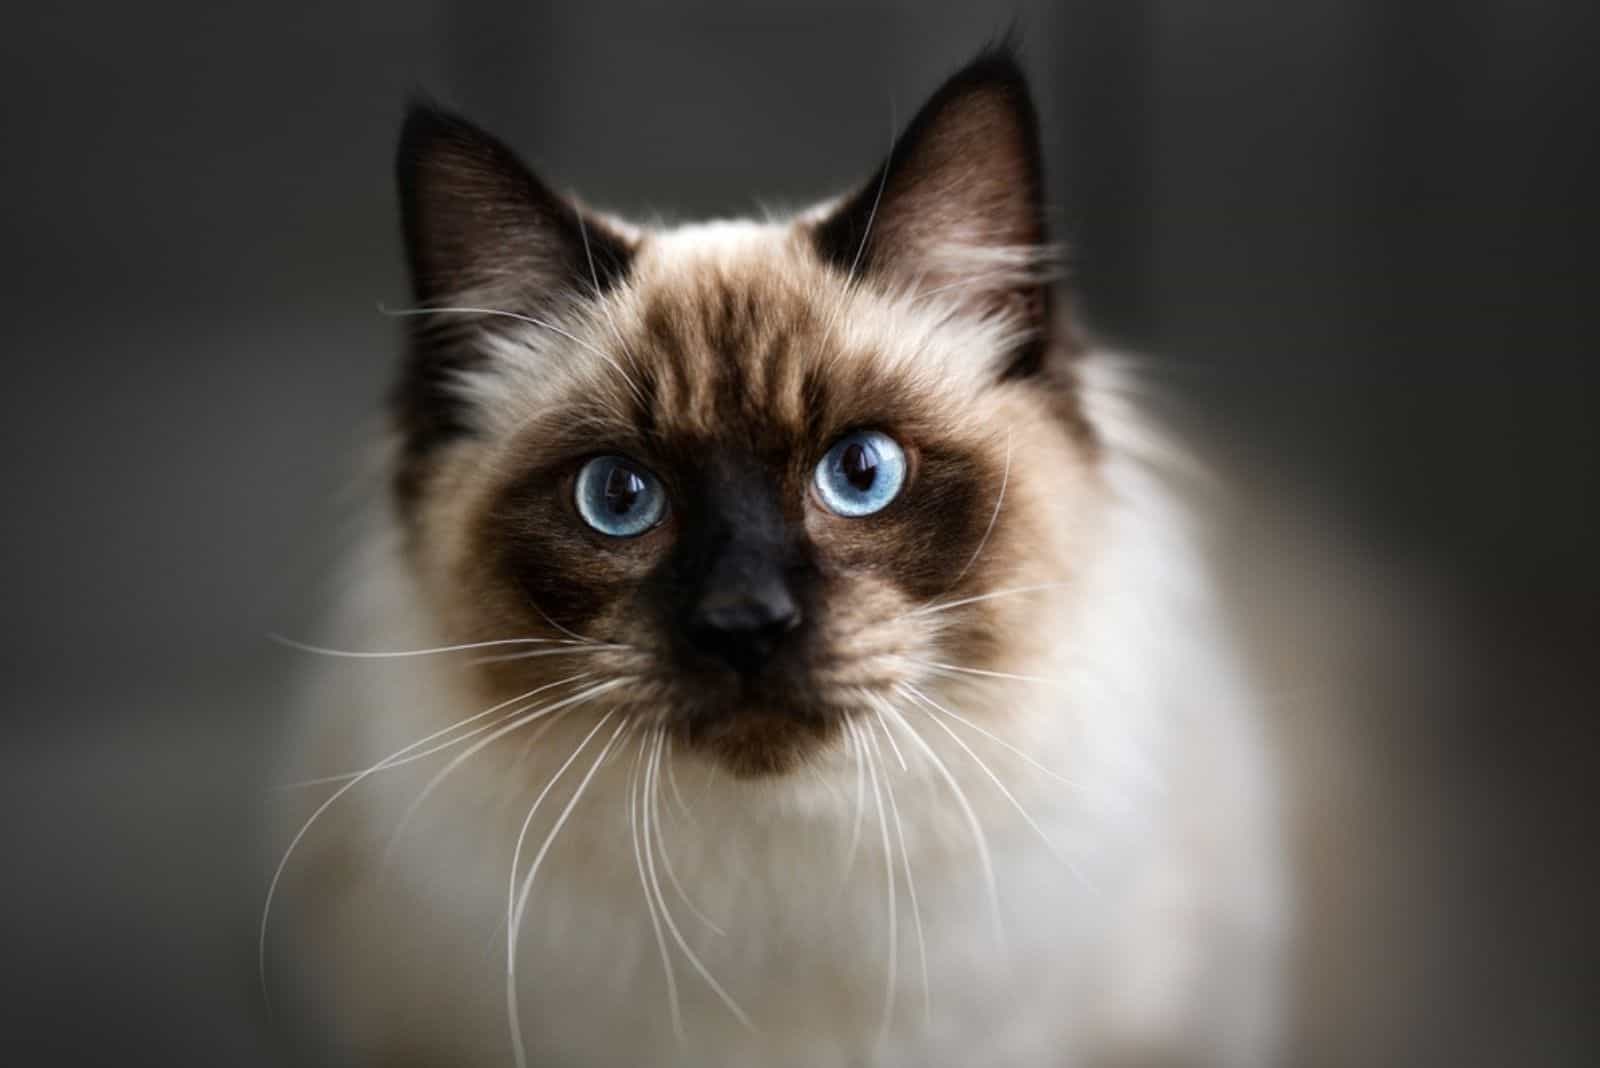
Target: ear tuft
x=958 y=205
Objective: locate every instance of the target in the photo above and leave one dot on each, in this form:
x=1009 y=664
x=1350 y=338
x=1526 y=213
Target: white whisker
x=353 y=654
x=572 y=650
x=515 y=913
x=672 y=926
x=294 y=843
x=893 y=745
x=661 y=841
x=635 y=786
x=1006 y=793
x=979 y=838
x=861 y=786
x=957 y=669
x=672 y=784
x=441 y=746
x=522 y=720
x=877 y=198
x=891 y=977
x=574 y=635
x=905 y=860
x=527 y=821
x=932 y=608
x=924 y=698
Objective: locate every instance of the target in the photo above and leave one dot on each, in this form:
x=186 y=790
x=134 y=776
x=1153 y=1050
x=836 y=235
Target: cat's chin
x=754 y=743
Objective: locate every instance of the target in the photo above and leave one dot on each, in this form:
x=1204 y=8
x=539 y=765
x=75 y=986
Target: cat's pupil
x=860 y=466
x=622 y=491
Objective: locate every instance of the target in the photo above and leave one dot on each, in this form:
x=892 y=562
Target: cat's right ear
x=481 y=232
x=478 y=223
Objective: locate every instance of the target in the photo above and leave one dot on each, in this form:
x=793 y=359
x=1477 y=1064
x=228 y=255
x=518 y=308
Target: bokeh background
x=1356 y=236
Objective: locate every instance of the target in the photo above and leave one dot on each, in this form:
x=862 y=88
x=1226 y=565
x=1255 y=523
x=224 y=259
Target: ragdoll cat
x=783 y=652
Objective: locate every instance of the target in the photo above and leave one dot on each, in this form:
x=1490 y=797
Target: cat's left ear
x=959 y=206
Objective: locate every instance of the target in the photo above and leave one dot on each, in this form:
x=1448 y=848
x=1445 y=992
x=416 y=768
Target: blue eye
x=861 y=474
x=617 y=497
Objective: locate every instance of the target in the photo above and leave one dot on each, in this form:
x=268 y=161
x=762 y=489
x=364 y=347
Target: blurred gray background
x=1357 y=235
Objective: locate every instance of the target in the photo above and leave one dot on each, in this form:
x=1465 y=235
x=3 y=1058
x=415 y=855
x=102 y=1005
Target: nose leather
x=744 y=610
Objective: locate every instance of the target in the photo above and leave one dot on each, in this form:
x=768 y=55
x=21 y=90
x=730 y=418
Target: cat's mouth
x=772 y=721
x=755 y=744
x=755 y=737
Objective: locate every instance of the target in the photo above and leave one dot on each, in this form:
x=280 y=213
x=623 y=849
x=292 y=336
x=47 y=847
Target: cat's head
x=761 y=478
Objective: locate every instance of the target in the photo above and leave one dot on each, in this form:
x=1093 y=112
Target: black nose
x=744 y=625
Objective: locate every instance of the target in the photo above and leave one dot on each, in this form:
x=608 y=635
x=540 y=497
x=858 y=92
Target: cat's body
x=853 y=863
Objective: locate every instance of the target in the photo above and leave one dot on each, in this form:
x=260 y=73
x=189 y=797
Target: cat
x=788 y=647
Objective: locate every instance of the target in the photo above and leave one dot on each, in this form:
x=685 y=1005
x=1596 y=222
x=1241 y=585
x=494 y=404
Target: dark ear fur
x=481 y=230
x=476 y=219
x=959 y=203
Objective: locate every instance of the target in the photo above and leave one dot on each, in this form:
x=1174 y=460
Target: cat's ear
x=958 y=206
x=478 y=222
x=481 y=232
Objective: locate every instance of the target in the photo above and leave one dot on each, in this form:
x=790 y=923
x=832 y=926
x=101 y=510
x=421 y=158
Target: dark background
x=1357 y=237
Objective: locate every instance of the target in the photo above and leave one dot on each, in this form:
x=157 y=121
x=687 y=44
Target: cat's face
x=758 y=478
